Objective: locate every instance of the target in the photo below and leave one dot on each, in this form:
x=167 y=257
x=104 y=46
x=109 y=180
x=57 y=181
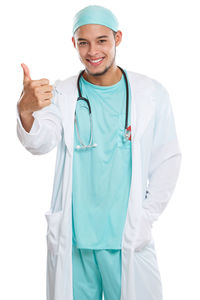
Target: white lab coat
x=156 y=160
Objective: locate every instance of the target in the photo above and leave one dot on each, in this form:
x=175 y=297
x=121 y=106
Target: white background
x=160 y=40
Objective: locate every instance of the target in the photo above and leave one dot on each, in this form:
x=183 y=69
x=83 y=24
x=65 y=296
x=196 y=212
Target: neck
x=111 y=77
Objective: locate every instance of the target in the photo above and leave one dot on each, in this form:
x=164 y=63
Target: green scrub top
x=102 y=175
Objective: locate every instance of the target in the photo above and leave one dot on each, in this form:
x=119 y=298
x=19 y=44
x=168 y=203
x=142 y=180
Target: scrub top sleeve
x=165 y=158
x=46 y=131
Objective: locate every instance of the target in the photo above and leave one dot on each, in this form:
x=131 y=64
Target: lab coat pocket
x=144 y=233
x=53 y=230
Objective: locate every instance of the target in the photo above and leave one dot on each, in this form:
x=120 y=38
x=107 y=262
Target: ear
x=118 y=37
x=73 y=41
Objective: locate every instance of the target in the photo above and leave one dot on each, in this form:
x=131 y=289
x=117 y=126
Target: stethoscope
x=91 y=143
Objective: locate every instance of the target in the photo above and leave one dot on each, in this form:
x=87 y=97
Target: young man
x=118 y=161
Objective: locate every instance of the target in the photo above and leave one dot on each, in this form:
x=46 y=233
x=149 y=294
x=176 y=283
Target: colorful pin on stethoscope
x=128 y=133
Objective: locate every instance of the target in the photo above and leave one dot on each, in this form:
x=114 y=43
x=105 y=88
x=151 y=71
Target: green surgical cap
x=95 y=14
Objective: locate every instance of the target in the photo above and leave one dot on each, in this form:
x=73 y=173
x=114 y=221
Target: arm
x=46 y=130
x=165 y=159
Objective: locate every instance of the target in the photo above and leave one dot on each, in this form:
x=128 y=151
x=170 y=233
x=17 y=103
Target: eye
x=102 y=41
x=82 y=43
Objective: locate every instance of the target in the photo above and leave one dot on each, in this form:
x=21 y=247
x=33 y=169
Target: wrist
x=23 y=112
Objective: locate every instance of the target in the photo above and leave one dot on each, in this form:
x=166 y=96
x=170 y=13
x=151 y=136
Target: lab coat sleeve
x=165 y=158
x=46 y=131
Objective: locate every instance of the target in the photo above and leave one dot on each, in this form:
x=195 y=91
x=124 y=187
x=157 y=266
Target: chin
x=99 y=72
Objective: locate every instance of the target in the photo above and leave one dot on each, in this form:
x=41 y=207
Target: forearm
x=26 y=119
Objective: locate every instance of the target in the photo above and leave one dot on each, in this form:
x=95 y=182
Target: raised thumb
x=27 y=76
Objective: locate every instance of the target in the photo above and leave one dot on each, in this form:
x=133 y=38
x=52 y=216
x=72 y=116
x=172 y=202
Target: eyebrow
x=99 y=37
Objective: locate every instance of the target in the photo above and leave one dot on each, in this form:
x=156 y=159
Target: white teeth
x=95 y=61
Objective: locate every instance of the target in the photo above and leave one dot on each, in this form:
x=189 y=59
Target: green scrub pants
x=96 y=272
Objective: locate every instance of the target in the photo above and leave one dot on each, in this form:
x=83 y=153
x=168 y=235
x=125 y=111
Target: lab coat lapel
x=143 y=106
x=69 y=91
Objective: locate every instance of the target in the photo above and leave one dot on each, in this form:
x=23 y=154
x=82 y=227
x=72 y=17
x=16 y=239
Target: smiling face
x=96 y=46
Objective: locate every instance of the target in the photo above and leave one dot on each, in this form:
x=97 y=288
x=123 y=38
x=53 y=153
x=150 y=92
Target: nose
x=93 y=49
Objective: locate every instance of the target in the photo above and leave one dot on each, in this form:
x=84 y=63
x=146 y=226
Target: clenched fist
x=36 y=94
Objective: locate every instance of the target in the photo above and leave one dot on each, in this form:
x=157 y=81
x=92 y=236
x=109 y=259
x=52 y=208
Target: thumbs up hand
x=36 y=94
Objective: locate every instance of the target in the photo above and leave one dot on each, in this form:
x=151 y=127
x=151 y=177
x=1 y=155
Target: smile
x=95 y=62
